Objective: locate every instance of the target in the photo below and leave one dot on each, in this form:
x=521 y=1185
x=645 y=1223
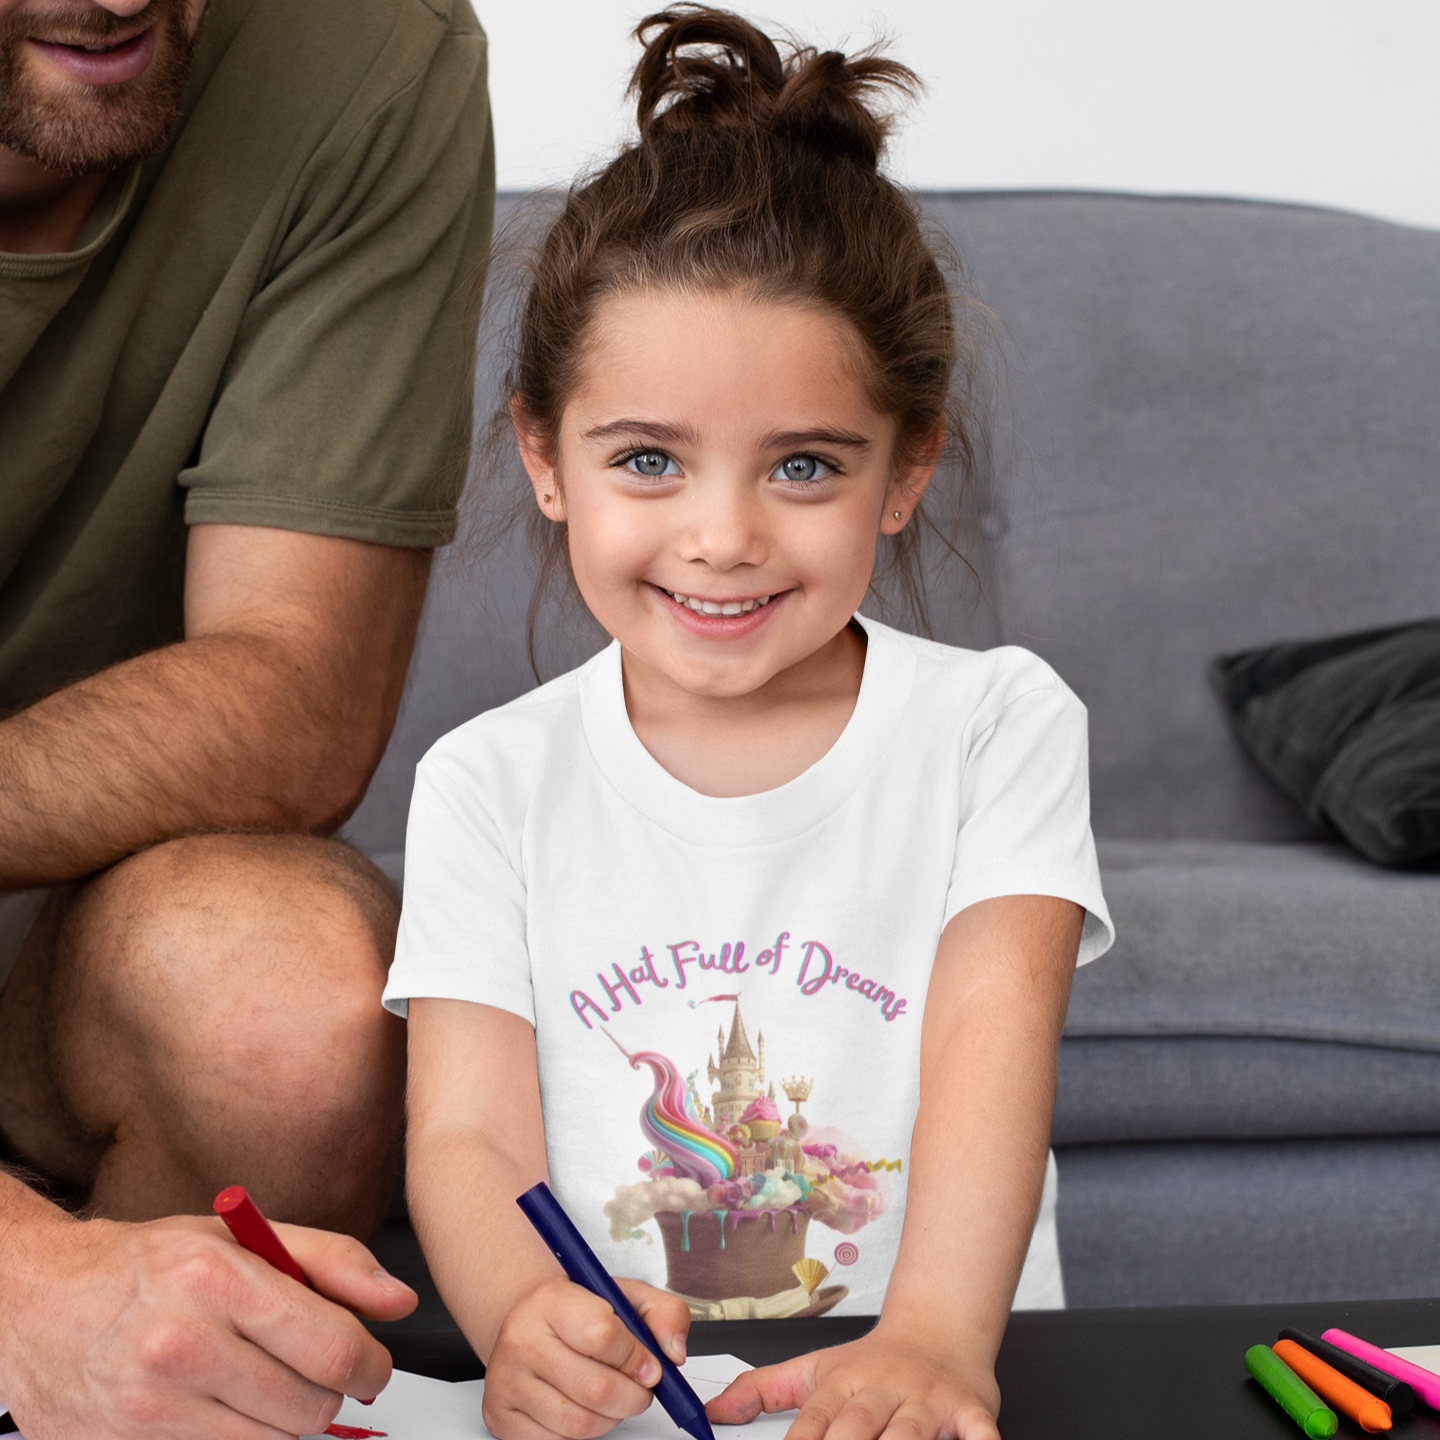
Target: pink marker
x=1425 y=1383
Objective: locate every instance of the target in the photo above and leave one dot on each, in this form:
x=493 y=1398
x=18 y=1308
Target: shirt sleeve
x=1025 y=811
x=345 y=404
x=463 y=921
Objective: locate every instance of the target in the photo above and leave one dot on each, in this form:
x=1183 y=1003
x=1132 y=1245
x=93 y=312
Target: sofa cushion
x=1215 y=1087
x=1247 y=1222
x=1349 y=727
x=1224 y=430
x=1304 y=959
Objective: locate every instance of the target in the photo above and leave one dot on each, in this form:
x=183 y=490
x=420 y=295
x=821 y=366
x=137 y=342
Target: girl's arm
x=558 y=1361
x=993 y=1014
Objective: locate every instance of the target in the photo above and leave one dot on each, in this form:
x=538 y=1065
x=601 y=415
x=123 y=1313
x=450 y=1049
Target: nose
x=724 y=528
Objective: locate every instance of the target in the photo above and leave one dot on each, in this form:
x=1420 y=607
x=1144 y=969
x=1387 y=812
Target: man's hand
x=566 y=1368
x=271 y=714
x=170 y=1329
x=905 y=1387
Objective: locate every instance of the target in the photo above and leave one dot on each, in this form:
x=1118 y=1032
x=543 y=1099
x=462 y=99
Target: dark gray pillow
x=1350 y=727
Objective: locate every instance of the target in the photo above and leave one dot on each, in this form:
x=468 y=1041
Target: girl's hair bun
x=705 y=68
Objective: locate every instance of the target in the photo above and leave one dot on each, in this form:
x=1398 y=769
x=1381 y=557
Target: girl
x=760 y=838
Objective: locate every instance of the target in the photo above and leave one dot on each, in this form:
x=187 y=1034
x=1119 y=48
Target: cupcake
x=762 y=1117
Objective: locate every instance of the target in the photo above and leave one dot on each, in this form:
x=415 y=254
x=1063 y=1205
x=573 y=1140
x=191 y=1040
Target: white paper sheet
x=412 y=1407
x=1426 y=1356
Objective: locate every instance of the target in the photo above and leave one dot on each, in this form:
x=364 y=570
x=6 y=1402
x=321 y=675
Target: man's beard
x=76 y=129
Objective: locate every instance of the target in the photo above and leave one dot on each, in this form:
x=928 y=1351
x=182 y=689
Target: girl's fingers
x=561 y=1409
x=517 y=1420
x=594 y=1383
x=770 y=1388
x=833 y=1415
x=593 y=1332
x=667 y=1315
x=971 y=1422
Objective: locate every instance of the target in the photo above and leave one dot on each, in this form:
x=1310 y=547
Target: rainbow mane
x=670 y=1124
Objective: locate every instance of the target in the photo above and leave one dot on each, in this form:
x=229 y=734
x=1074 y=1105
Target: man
x=235 y=245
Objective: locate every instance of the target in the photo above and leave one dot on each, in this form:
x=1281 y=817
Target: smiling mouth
x=102 y=49
x=718 y=607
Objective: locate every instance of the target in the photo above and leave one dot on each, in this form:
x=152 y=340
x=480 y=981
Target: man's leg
x=207 y=1013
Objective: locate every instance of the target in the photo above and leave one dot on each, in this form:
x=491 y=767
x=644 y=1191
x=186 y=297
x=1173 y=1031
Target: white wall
x=1309 y=100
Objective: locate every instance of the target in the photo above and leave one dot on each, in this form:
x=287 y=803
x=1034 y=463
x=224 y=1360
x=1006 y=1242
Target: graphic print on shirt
x=734 y=1185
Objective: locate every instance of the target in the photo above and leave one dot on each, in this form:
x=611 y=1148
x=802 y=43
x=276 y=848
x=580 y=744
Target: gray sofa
x=1221 y=428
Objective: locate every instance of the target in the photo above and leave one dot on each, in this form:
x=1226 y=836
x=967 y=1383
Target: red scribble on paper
x=353 y=1432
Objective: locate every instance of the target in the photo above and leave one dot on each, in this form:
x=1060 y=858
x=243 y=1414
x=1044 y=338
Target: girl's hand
x=901 y=1386
x=565 y=1368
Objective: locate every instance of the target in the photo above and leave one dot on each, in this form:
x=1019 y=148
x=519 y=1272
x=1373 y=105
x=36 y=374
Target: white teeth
x=718 y=607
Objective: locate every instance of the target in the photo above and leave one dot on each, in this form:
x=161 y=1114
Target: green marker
x=1291 y=1393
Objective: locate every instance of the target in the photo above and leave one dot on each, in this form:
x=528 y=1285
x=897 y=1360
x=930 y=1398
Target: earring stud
x=547 y=499
x=898 y=515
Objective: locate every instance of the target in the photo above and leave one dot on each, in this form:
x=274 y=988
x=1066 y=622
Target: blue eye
x=801 y=470
x=651 y=464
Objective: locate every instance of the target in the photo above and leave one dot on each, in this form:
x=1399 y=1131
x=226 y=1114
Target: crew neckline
x=104 y=219
x=771 y=816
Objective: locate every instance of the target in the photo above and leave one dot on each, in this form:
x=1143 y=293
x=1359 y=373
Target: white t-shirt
x=768 y=954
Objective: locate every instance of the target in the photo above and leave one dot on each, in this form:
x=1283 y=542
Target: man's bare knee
x=216 y=1010
x=205 y=924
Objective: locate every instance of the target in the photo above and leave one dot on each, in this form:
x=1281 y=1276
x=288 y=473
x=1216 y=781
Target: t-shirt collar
x=773 y=815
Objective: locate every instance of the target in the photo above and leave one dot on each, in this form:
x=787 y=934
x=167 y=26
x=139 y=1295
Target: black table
x=1131 y=1374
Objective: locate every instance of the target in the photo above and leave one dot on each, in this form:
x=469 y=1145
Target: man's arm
x=271 y=714
x=171 y=1328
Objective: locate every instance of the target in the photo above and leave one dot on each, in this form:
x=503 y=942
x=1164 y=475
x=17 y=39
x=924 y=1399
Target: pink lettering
x=780 y=940
x=811 y=986
x=680 y=960
x=622 y=982
x=645 y=970
x=578 y=1001
x=826 y=971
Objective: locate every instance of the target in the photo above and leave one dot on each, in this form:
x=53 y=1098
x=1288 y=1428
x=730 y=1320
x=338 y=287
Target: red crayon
x=253 y=1233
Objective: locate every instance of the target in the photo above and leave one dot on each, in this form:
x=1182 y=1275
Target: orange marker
x=1331 y=1386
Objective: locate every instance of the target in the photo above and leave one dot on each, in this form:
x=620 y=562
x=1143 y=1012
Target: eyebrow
x=663 y=433
x=656 y=430
x=789 y=439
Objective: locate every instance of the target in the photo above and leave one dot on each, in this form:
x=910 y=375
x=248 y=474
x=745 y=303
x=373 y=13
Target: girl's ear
x=539 y=462
x=907 y=484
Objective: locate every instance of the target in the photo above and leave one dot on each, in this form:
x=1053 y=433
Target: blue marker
x=579 y=1262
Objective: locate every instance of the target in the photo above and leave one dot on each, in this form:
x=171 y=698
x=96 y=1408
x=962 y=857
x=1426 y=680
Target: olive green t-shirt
x=271 y=323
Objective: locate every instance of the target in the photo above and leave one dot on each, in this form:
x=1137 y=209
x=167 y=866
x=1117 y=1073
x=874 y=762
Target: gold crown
x=797 y=1087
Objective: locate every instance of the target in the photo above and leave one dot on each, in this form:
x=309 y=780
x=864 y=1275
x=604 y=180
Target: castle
x=740 y=1072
